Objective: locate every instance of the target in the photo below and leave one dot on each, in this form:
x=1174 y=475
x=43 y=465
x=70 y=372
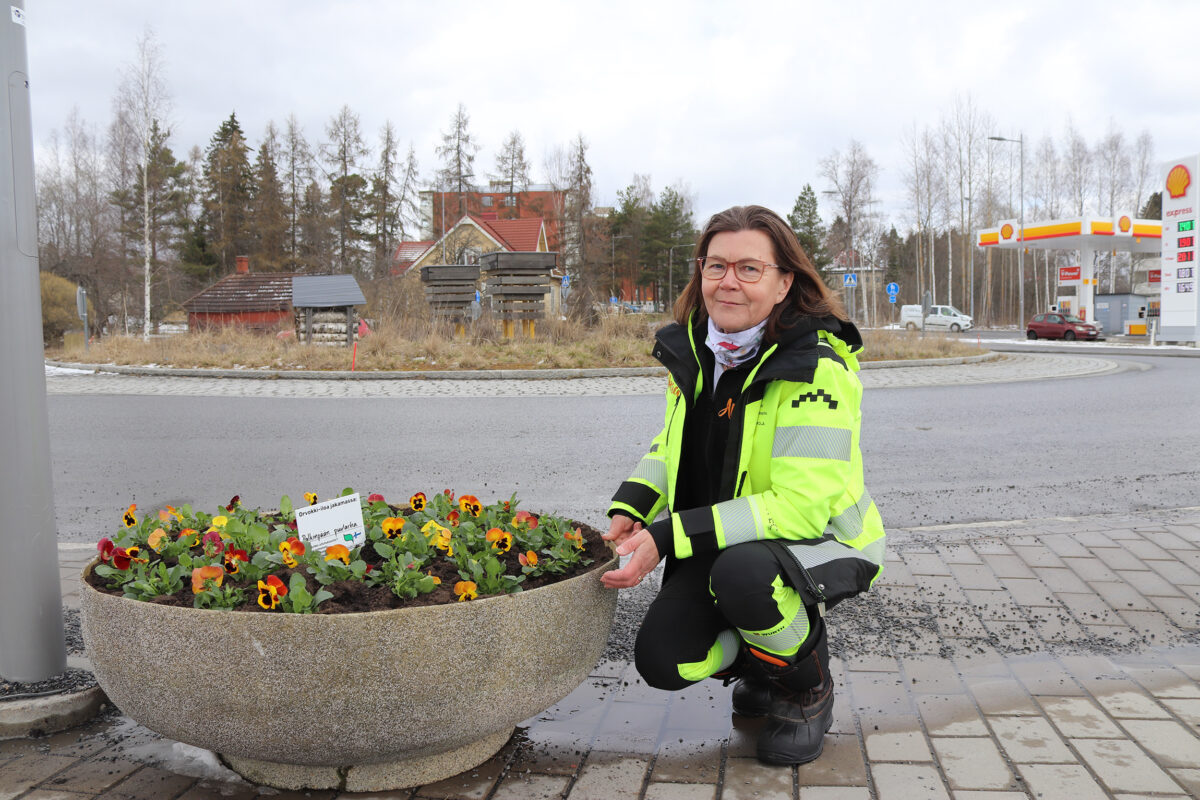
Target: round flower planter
x=361 y=702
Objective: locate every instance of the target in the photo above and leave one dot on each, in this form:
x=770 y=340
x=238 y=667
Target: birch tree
x=143 y=92
x=852 y=175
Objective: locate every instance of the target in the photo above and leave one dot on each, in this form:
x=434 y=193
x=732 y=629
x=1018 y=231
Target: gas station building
x=1173 y=237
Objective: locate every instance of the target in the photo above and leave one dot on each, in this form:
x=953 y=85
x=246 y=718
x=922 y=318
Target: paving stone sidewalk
x=1005 y=368
x=1053 y=658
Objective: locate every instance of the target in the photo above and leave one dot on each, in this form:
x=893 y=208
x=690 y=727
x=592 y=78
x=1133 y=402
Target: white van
x=941 y=318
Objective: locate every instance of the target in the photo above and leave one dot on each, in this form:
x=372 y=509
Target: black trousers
x=700 y=597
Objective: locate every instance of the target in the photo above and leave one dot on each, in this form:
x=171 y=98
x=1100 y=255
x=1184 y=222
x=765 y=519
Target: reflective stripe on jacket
x=793 y=469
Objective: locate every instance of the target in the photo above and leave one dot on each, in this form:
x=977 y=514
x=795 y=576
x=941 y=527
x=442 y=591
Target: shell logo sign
x=1124 y=224
x=1006 y=231
x=1178 y=181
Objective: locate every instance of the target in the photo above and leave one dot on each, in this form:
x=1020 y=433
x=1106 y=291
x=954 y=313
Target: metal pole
x=31 y=624
x=1021 y=252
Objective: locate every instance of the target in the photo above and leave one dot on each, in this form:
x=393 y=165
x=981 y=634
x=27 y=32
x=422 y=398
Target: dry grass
x=622 y=341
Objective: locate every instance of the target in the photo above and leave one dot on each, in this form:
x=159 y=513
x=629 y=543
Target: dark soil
x=355 y=596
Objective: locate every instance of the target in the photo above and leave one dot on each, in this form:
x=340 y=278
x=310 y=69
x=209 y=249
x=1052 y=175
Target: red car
x=1060 y=326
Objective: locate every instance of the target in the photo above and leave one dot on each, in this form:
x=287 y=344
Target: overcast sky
x=739 y=101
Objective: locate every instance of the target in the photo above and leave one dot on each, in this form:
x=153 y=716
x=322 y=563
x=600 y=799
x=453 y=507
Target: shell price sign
x=1180 y=207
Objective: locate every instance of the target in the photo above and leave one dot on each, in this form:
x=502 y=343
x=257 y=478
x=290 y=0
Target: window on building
x=486 y=201
x=510 y=200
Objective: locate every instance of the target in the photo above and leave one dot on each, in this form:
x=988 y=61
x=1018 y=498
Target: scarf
x=732 y=349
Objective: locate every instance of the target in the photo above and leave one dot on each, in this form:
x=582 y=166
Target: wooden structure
x=518 y=284
x=450 y=290
x=325 y=308
x=255 y=301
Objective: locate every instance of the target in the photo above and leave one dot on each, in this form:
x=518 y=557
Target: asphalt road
x=1117 y=442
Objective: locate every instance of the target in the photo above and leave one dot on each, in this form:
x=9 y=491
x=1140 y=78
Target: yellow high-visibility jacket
x=793 y=471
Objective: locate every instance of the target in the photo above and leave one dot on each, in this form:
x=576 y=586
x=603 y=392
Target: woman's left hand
x=645 y=559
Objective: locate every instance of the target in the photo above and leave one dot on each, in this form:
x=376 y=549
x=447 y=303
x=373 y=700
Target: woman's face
x=733 y=305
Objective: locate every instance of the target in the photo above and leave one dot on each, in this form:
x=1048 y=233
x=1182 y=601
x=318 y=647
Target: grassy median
x=619 y=341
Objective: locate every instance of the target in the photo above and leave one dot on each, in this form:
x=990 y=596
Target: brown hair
x=808 y=294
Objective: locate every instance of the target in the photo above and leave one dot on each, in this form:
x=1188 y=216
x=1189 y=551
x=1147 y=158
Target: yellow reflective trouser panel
x=720 y=656
x=785 y=638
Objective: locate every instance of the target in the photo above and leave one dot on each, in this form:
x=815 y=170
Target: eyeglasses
x=747 y=270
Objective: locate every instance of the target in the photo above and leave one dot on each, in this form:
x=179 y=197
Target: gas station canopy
x=1088 y=234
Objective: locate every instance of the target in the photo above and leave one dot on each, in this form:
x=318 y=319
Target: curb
x=39 y=716
x=456 y=375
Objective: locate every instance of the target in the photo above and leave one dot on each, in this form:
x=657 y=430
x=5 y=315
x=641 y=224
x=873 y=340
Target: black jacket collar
x=792 y=357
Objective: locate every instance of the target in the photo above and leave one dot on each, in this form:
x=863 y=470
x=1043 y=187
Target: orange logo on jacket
x=727 y=411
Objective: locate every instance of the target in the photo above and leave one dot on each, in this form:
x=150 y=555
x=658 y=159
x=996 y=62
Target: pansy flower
x=310 y=497
x=169 y=513
x=269 y=592
x=291 y=547
x=470 y=504
x=129 y=518
x=157 y=540
x=528 y=559
x=201 y=576
x=375 y=498
x=431 y=528
x=523 y=517
x=436 y=580
x=452 y=518
x=234 y=502
x=338 y=552
x=417 y=501
x=123 y=557
x=232 y=558
x=466 y=590
x=448 y=494
x=500 y=540
x=189 y=535
x=106 y=548
x=575 y=538
x=213 y=546
x=392 y=525
x=220 y=522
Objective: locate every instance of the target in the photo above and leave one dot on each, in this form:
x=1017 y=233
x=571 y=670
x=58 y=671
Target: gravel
x=71 y=680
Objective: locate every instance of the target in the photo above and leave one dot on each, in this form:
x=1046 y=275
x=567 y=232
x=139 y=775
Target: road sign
x=891 y=298
x=893 y=289
x=850 y=280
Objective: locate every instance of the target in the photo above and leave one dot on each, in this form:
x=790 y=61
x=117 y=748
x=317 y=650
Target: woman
x=759 y=467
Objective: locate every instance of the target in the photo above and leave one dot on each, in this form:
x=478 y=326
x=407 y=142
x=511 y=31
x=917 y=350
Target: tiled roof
x=254 y=291
x=521 y=235
x=406 y=253
x=326 y=291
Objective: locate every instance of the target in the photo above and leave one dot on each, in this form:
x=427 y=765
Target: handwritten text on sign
x=336 y=521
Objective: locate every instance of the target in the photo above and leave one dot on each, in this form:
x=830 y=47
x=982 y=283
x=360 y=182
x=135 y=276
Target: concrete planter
x=361 y=702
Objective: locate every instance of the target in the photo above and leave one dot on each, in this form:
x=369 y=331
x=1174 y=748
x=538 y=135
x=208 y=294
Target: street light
x=671 y=269
x=1020 y=142
x=613 y=240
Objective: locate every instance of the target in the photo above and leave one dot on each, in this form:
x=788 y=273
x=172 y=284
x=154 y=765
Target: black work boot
x=801 y=707
x=752 y=694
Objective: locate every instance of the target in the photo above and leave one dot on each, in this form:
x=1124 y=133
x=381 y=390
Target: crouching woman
x=758 y=466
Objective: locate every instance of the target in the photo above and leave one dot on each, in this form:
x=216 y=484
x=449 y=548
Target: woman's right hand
x=620 y=528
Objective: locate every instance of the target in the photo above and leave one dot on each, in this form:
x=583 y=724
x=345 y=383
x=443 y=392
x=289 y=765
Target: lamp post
x=671 y=269
x=1020 y=142
x=613 y=240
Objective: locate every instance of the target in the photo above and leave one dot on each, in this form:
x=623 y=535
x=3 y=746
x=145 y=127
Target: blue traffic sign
x=893 y=288
x=850 y=279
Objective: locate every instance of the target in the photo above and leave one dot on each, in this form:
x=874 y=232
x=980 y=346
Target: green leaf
x=285 y=505
x=105 y=571
x=384 y=549
x=347 y=491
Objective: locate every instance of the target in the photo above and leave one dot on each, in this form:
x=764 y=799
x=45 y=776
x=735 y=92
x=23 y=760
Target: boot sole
x=783 y=760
